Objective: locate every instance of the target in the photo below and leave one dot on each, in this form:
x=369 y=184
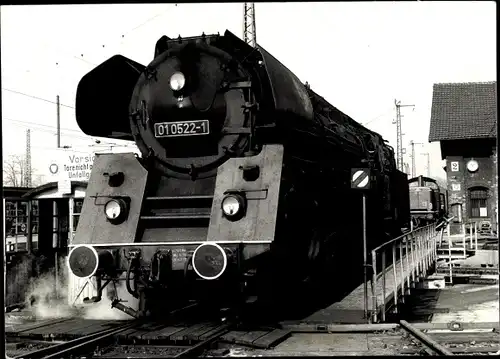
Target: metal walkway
x=413 y=254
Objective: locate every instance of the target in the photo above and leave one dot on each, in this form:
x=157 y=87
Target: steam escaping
x=47 y=296
x=50 y=297
x=103 y=310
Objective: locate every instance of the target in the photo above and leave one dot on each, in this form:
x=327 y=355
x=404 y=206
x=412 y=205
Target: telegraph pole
x=58 y=122
x=27 y=173
x=413 y=168
x=428 y=163
x=399 y=135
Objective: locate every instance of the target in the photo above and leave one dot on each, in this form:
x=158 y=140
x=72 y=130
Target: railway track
x=449 y=343
x=193 y=338
x=183 y=337
x=80 y=345
x=37 y=341
x=186 y=332
x=410 y=339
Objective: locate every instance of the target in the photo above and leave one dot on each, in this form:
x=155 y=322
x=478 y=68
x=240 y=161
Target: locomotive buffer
x=360 y=180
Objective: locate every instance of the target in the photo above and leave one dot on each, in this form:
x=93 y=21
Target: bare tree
x=13 y=171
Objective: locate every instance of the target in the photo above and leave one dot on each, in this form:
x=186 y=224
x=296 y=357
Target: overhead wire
x=145 y=22
x=45 y=130
x=45 y=45
x=378 y=117
x=36 y=97
x=55 y=148
x=58 y=52
x=124 y=34
x=30 y=125
x=40 y=124
x=112 y=41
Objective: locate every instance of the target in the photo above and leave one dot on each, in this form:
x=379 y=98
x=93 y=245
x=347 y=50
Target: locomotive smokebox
x=209 y=261
x=84 y=261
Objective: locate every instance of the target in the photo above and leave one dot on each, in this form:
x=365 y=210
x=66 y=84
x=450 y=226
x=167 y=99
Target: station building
x=39 y=225
x=464 y=121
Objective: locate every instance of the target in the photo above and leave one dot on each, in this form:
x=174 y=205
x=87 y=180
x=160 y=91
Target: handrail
x=413 y=253
x=401 y=236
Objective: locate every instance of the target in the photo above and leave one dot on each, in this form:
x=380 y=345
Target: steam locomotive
x=242 y=189
x=428 y=202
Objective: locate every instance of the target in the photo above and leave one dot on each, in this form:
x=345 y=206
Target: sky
x=360 y=56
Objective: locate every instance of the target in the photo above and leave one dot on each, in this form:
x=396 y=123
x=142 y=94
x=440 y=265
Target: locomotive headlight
x=115 y=210
x=177 y=81
x=112 y=209
x=233 y=206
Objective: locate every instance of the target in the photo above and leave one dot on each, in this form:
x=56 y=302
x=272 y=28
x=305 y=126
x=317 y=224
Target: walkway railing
x=468 y=241
x=410 y=256
x=472 y=234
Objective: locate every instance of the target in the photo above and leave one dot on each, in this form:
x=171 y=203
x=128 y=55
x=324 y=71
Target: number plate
x=181 y=128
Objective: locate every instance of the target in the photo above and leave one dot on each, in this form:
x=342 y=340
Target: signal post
x=360 y=180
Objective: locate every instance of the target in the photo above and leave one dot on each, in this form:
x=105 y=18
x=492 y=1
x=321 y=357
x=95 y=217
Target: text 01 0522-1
x=183 y=128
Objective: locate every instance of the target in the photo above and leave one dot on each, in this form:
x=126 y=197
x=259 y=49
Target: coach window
x=478 y=202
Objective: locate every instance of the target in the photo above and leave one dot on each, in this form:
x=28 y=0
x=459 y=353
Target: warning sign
x=360 y=178
x=71 y=165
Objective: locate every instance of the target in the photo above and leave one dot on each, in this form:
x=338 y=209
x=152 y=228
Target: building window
x=35 y=217
x=478 y=202
x=77 y=210
x=16 y=224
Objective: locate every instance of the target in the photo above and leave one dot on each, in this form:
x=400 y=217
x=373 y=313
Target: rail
x=64 y=349
x=412 y=255
x=89 y=342
x=425 y=339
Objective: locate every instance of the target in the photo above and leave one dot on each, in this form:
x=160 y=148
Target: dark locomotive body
x=258 y=204
x=428 y=201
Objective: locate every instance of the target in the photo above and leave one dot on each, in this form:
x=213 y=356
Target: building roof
x=15 y=192
x=49 y=186
x=463 y=111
